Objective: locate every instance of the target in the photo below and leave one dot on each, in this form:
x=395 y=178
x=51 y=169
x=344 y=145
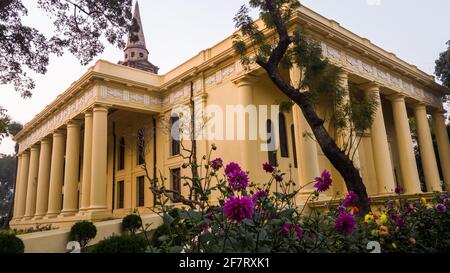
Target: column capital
x=245 y=80
x=73 y=123
x=370 y=86
x=58 y=132
x=45 y=140
x=25 y=153
x=35 y=147
x=397 y=97
x=88 y=112
x=439 y=112
x=344 y=73
x=99 y=107
x=419 y=106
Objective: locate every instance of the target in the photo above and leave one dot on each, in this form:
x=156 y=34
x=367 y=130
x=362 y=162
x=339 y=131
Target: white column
x=429 y=163
x=380 y=146
x=16 y=191
x=99 y=159
x=87 y=162
x=43 y=179
x=306 y=145
x=443 y=145
x=56 y=174
x=30 y=209
x=411 y=181
x=70 y=199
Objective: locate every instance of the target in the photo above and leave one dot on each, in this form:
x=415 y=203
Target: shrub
x=253 y=218
x=132 y=223
x=122 y=244
x=10 y=243
x=83 y=232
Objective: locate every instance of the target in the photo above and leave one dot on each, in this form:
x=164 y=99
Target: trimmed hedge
x=10 y=243
x=132 y=223
x=83 y=232
x=122 y=244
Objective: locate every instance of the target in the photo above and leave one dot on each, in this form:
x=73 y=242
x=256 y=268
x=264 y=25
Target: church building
x=92 y=152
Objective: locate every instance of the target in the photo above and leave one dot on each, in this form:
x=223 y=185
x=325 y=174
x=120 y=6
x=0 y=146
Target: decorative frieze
x=377 y=73
x=223 y=74
x=56 y=120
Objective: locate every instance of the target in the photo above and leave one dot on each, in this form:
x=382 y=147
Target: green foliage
x=122 y=244
x=7 y=174
x=132 y=223
x=442 y=69
x=4 y=122
x=83 y=232
x=276 y=223
x=10 y=243
x=320 y=78
x=80 y=26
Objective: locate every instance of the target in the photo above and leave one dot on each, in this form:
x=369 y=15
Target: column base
x=52 y=215
x=27 y=218
x=97 y=215
x=38 y=217
x=67 y=213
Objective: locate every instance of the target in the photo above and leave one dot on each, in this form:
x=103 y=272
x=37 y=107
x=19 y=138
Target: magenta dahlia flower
x=259 y=195
x=238 y=209
x=231 y=168
x=216 y=164
x=441 y=208
x=238 y=180
x=323 y=183
x=399 y=190
x=346 y=223
x=288 y=228
x=268 y=168
x=350 y=200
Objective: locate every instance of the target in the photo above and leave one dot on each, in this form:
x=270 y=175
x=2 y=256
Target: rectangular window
x=175 y=178
x=140 y=146
x=140 y=191
x=121 y=154
x=294 y=146
x=120 y=194
x=175 y=136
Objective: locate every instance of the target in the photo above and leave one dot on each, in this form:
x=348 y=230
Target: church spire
x=136 y=53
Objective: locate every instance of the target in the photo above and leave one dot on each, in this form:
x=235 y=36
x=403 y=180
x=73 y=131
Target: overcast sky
x=415 y=30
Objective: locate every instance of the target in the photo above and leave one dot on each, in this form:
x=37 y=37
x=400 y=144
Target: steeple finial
x=136 y=53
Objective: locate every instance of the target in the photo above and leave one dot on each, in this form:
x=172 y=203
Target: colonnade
x=48 y=180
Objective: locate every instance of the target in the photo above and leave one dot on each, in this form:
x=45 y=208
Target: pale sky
x=175 y=30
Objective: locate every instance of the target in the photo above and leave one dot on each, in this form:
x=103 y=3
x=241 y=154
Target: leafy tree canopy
x=79 y=26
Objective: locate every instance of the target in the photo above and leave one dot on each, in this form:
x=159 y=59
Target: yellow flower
x=423 y=201
x=383 y=219
x=375 y=233
x=368 y=218
x=383 y=231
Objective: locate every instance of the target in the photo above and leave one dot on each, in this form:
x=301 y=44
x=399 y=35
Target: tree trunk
x=337 y=157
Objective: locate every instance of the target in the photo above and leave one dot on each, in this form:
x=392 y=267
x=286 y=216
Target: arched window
x=272 y=153
x=283 y=136
x=294 y=146
x=141 y=55
x=175 y=146
x=141 y=146
x=132 y=54
x=121 y=154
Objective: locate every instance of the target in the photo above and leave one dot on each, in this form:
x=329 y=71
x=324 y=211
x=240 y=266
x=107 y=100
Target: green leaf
x=175 y=249
x=248 y=222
